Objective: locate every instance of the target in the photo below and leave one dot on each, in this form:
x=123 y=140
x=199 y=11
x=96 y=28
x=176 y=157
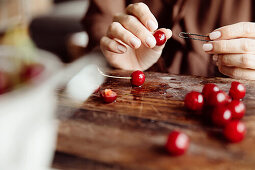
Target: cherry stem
x=112 y=76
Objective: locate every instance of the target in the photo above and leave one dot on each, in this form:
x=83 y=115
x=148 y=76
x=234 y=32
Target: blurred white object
x=27 y=121
x=86 y=81
x=80 y=39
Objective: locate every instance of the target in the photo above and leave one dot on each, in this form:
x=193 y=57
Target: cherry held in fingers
x=194 y=101
x=177 y=143
x=235 y=131
x=108 y=95
x=237 y=90
x=160 y=37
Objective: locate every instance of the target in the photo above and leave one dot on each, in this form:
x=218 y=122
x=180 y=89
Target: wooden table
x=131 y=133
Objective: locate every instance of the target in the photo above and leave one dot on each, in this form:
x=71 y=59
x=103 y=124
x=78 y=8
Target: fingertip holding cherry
x=160 y=37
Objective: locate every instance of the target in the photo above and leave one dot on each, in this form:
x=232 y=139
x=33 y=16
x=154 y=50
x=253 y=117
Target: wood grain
x=131 y=132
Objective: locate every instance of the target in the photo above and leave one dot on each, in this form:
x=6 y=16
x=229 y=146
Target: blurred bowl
x=27 y=119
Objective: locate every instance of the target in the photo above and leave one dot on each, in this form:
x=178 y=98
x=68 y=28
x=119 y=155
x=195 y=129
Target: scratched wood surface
x=131 y=133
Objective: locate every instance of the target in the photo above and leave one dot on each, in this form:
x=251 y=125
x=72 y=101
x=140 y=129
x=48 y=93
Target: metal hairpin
x=189 y=36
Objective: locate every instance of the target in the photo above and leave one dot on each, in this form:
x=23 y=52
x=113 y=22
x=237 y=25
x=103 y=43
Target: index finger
x=238 y=30
x=142 y=12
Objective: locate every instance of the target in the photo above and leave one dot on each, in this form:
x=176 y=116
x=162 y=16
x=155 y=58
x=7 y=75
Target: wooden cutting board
x=131 y=133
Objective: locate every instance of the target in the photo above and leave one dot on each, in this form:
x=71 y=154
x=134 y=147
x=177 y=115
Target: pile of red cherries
x=8 y=81
x=224 y=111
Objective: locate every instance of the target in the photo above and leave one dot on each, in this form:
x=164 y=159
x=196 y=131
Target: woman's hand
x=129 y=43
x=233 y=47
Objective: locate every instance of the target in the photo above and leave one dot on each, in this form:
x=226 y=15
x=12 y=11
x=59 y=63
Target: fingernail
x=215 y=57
x=150 y=41
x=121 y=48
x=135 y=42
x=152 y=25
x=207 y=47
x=215 y=35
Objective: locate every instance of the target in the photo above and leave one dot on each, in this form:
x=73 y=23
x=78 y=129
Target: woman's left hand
x=233 y=47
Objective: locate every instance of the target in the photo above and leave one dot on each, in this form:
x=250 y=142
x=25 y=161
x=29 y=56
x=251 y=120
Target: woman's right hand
x=129 y=43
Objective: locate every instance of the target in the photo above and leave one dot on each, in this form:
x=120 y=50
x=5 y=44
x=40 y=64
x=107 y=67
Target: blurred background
x=37 y=40
x=54 y=25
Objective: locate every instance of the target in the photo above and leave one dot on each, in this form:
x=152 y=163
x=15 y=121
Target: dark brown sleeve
x=99 y=17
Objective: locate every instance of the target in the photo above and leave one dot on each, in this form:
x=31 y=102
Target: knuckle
x=223 y=46
x=225 y=59
x=245 y=60
x=116 y=17
x=245 y=44
x=246 y=26
x=235 y=72
x=130 y=7
x=129 y=19
x=141 y=5
x=139 y=32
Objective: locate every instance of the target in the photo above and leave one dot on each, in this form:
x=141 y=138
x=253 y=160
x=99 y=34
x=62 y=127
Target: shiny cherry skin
x=194 y=101
x=237 y=109
x=208 y=89
x=108 y=95
x=4 y=82
x=177 y=143
x=137 y=78
x=235 y=131
x=31 y=71
x=160 y=37
x=221 y=115
x=237 y=90
x=217 y=98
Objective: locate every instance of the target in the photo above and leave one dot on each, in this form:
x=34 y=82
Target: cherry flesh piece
x=237 y=109
x=31 y=71
x=221 y=116
x=235 y=131
x=177 y=143
x=137 y=78
x=108 y=95
x=237 y=90
x=217 y=98
x=208 y=89
x=194 y=101
x=160 y=37
x=4 y=82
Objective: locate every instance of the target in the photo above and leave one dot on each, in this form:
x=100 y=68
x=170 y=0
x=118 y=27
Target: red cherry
x=217 y=98
x=221 y=115
x=137 y=78
x=237 y=90
x=194 y=101
x=4 y=82
x=235 y=131
x=160 y=37
x=237 y=109
x=31 y=71
x=177 y=143
x=208 y=89
x=108 y=95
